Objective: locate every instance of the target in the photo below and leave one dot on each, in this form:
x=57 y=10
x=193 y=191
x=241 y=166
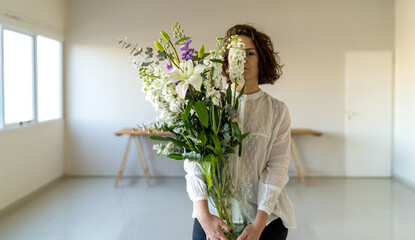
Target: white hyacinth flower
x=185 y=76
x=236 y=66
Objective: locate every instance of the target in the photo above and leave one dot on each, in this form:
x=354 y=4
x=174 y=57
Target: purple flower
x=169 y=66
x=187 y=55
x=185 y=45
x=187 y=52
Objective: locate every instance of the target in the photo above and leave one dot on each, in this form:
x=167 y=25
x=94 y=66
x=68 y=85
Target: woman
x=260 y=174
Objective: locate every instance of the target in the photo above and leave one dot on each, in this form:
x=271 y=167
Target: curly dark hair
x=269 y=66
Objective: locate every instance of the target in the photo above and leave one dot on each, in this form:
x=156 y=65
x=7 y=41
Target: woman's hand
x=212 y=226
x=251 y=232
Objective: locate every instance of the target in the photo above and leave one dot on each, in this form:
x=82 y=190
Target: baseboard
x=405 y=182
x=30 y=196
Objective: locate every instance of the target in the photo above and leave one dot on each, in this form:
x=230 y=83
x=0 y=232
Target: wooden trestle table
x=136 y=133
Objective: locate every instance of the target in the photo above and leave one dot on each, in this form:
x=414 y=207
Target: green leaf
x=196 y=58
x=146 y=64
x=209 y=168
x=181 y=40
x=160 y=55
x=213 y=116
x=203 y=139
x=228 y=150
x=175 y=156
x=216 y=142
x=168 y=139
x=211 y=148
x=245 y=134
x=216 y=60
x=202 y=112
x=187 y=111
x=139 y=51
x=176 y=136
x=205 y=55
x=161 y=138
x=235 y=129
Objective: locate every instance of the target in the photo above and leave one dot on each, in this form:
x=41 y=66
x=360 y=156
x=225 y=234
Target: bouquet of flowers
x=200 y=116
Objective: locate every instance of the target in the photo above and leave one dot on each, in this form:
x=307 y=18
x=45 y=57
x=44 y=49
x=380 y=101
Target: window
x=48 y=79
x=18 y=77
x=31 y=79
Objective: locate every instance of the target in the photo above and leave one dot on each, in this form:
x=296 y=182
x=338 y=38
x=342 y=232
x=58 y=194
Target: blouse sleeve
x=275 y=175
x=195 y=184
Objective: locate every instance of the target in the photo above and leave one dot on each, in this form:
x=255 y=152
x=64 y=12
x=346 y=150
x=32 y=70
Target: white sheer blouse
x=260 y=174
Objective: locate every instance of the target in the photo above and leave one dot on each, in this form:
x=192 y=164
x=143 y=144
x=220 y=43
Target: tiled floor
x=91 y=208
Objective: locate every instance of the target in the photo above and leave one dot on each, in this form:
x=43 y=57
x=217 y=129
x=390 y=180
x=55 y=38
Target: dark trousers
x=274 y=231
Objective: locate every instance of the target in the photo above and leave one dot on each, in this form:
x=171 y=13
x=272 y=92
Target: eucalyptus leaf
x=146 y=64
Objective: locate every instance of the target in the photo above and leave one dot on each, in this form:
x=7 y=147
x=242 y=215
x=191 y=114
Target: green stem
x=175 y=51
x=234 y=97
x=171 y=59
x=219 y=123
x=191 y=93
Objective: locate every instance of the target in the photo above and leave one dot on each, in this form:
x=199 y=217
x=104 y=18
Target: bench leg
x=145 y=161
x=120 y=172
x=297 y=163
x=143 y=164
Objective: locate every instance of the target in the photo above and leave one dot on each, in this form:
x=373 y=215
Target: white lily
x=185 y=76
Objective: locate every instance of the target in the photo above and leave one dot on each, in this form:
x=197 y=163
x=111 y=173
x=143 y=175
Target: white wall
x=32 y=156
x=404 y=139
x=104 y=93
x=42 y=16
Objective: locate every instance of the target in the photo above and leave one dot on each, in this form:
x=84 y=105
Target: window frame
x=35 y=120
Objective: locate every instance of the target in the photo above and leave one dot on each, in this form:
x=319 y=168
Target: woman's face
x=251 y=70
